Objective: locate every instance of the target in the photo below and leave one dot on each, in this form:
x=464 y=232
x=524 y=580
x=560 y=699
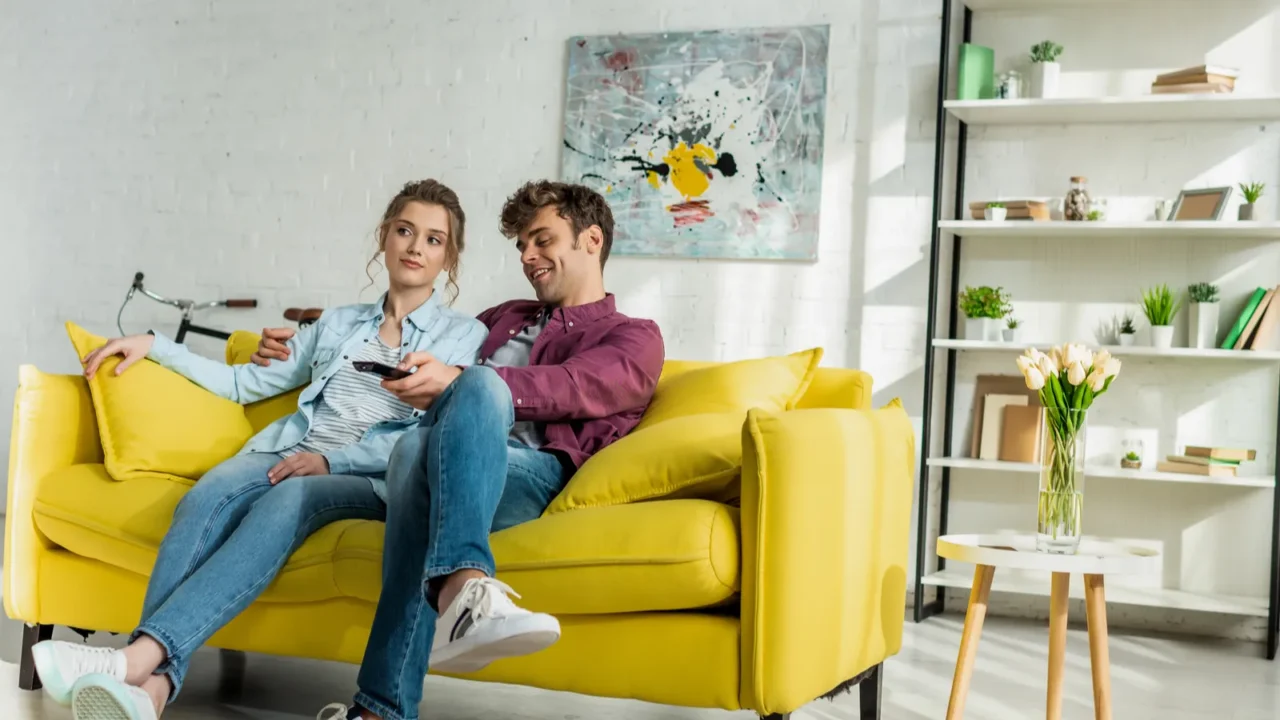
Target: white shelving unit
x=1223 y=236
x=1120 y=351
x=1102 y=472
x=1060 y=229
x=1036 y=584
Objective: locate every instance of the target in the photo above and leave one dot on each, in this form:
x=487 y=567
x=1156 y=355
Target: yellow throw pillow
x=692 y=456
x=240 y=348
x=774 y=384
x=156 y=423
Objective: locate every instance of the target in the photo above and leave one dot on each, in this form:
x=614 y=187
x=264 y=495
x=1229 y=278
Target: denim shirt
x=318 y=350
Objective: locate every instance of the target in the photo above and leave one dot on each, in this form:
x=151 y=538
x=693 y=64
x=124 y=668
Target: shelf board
x=1105 y=472
x=1119 y=351
x=1133 y=109
x=1145 y=229
x=1030 y=583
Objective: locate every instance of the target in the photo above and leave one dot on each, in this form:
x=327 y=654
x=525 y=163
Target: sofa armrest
x=53 y=427
x=826 y=514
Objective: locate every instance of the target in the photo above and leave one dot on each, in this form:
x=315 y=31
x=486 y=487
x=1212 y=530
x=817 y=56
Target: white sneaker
x=60 y=664
x=334 y=711
x=102 y=697
x=483 y=625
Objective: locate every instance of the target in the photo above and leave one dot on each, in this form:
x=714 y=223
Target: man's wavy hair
x=579 y=204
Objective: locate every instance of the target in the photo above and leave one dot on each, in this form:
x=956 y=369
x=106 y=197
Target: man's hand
x=132 y=349
x=272 y=346
x=299 y=465
x=430 y=379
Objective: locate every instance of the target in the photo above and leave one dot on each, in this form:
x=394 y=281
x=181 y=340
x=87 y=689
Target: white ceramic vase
x=1126 y=339
x=996 y=214
x=1162 y=336
x=1009 y=334
x=1044 y=79
x=1204 y=325
x=985 y=329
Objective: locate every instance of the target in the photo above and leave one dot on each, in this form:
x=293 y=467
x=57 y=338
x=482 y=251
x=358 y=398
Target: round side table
x=1094 y=560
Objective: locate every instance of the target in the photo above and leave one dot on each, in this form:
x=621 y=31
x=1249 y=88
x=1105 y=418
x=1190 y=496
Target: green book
x=1243 y=321
x=976 y=79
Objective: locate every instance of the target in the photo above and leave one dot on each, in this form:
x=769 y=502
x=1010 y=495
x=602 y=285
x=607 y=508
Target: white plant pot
x=1204 y=325
x=1126 y=339
x=995 y=214
x=1009 y=334
x=1044 y=79
x=985 y=329
x=1162 y=336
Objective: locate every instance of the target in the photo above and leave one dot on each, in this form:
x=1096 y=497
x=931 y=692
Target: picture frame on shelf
x=1200 y=204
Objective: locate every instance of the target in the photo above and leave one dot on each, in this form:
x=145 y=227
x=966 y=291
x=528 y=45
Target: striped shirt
x=351 y=403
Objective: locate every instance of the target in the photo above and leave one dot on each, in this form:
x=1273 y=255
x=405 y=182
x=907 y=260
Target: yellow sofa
x=799 y=593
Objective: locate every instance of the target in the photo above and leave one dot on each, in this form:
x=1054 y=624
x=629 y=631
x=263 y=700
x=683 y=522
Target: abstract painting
x=706 y=144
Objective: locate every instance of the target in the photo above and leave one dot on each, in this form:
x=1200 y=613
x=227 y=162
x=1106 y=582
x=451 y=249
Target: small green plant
x=1203 y=293
x=1252 y=191
x=1126 y=325
x=994 y=205
x=1132 y=456
x=1159 y=305
x=1046 y=51
x=1011 y=322
x=1094 y=215
x=984 y=302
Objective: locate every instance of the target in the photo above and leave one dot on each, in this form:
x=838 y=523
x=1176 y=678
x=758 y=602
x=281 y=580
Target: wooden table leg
x=1058 y=604
x=1095 y=605
x=973 y=619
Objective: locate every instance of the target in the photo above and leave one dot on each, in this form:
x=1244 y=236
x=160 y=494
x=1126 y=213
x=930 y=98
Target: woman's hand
x=299 y=465
x=132 y=349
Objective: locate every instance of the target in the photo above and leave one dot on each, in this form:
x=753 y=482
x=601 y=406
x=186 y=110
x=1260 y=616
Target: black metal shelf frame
x=922 y=609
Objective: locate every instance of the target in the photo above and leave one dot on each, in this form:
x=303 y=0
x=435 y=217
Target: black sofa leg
x=231 y=676
x=31 y=634
x=869 y=694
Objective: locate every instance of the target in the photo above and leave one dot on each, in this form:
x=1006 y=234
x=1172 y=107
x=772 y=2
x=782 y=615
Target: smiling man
x=558 y=379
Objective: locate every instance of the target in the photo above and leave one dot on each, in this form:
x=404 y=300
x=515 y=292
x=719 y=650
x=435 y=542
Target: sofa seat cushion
x=664 y=555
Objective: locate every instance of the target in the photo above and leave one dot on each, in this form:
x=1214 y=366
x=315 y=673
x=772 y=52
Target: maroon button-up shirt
x=591 y=371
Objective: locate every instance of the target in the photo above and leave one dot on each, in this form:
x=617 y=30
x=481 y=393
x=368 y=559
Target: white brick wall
x=244 y=148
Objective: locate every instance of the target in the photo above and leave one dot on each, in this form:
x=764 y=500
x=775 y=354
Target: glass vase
x=1060 y=510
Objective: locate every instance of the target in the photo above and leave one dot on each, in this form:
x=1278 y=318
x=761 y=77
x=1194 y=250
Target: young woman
x=238 y=525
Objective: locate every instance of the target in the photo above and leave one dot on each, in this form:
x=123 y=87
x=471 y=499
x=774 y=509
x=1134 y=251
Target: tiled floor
x=1165 y=678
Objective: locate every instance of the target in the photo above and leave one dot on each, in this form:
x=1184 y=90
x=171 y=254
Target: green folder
x=1243 y=320
x=976 y=79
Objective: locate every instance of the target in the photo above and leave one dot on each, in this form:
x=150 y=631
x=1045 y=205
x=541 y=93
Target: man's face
x=556 y=263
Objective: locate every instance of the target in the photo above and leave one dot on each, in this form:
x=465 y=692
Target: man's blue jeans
x=451 y=481
x=230 y=535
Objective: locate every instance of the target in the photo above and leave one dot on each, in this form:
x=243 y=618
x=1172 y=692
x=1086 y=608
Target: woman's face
x=415 y=245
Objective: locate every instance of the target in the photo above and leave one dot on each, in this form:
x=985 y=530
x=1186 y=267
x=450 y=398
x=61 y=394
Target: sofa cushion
x=693 y=456
x=669 y=555
x=155 y=423
x=773 y=384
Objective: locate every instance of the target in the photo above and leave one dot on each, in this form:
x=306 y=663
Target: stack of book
x=1255 y=328
x=1198 y=79
x=1210 y=461
x=1015 y=209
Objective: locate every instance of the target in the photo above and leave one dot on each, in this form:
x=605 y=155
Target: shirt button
x=344 y=357
x=513 y=332
x=519 y=401
x=570 y=324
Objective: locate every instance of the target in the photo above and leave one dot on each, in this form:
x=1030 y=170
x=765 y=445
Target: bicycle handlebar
x=188 y=305
x=241 y=303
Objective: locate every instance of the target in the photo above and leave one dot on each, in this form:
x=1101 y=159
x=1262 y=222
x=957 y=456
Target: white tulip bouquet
x=1069 y=378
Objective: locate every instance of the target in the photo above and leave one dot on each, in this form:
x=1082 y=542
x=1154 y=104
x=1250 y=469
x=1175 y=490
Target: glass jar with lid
x=1076 y=204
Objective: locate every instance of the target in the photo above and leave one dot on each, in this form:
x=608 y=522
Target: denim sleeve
x=467 y=347
x=240 y=383
x=367 y=457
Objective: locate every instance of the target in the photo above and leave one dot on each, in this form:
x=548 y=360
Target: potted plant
x=1127 y=330
x=1045 y=69
x=1010 y=331
x=1251 y=193
x=1131 y=461
x=1204 y=315
x=1160 y=307
x=1094 y=216
x=983 y=306
x=996 y=211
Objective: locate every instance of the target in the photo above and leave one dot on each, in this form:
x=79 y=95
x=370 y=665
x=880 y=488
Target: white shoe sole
x=102 y=697
x=55 y=686
x=533 y=633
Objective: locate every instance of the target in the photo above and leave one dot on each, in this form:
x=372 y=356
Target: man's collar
x=589 y=312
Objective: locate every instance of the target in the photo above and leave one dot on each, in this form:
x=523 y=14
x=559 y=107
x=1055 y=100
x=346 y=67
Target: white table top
x=1095 y=557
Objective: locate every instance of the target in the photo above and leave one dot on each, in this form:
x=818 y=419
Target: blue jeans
x=451 y=481
x=230 y=535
